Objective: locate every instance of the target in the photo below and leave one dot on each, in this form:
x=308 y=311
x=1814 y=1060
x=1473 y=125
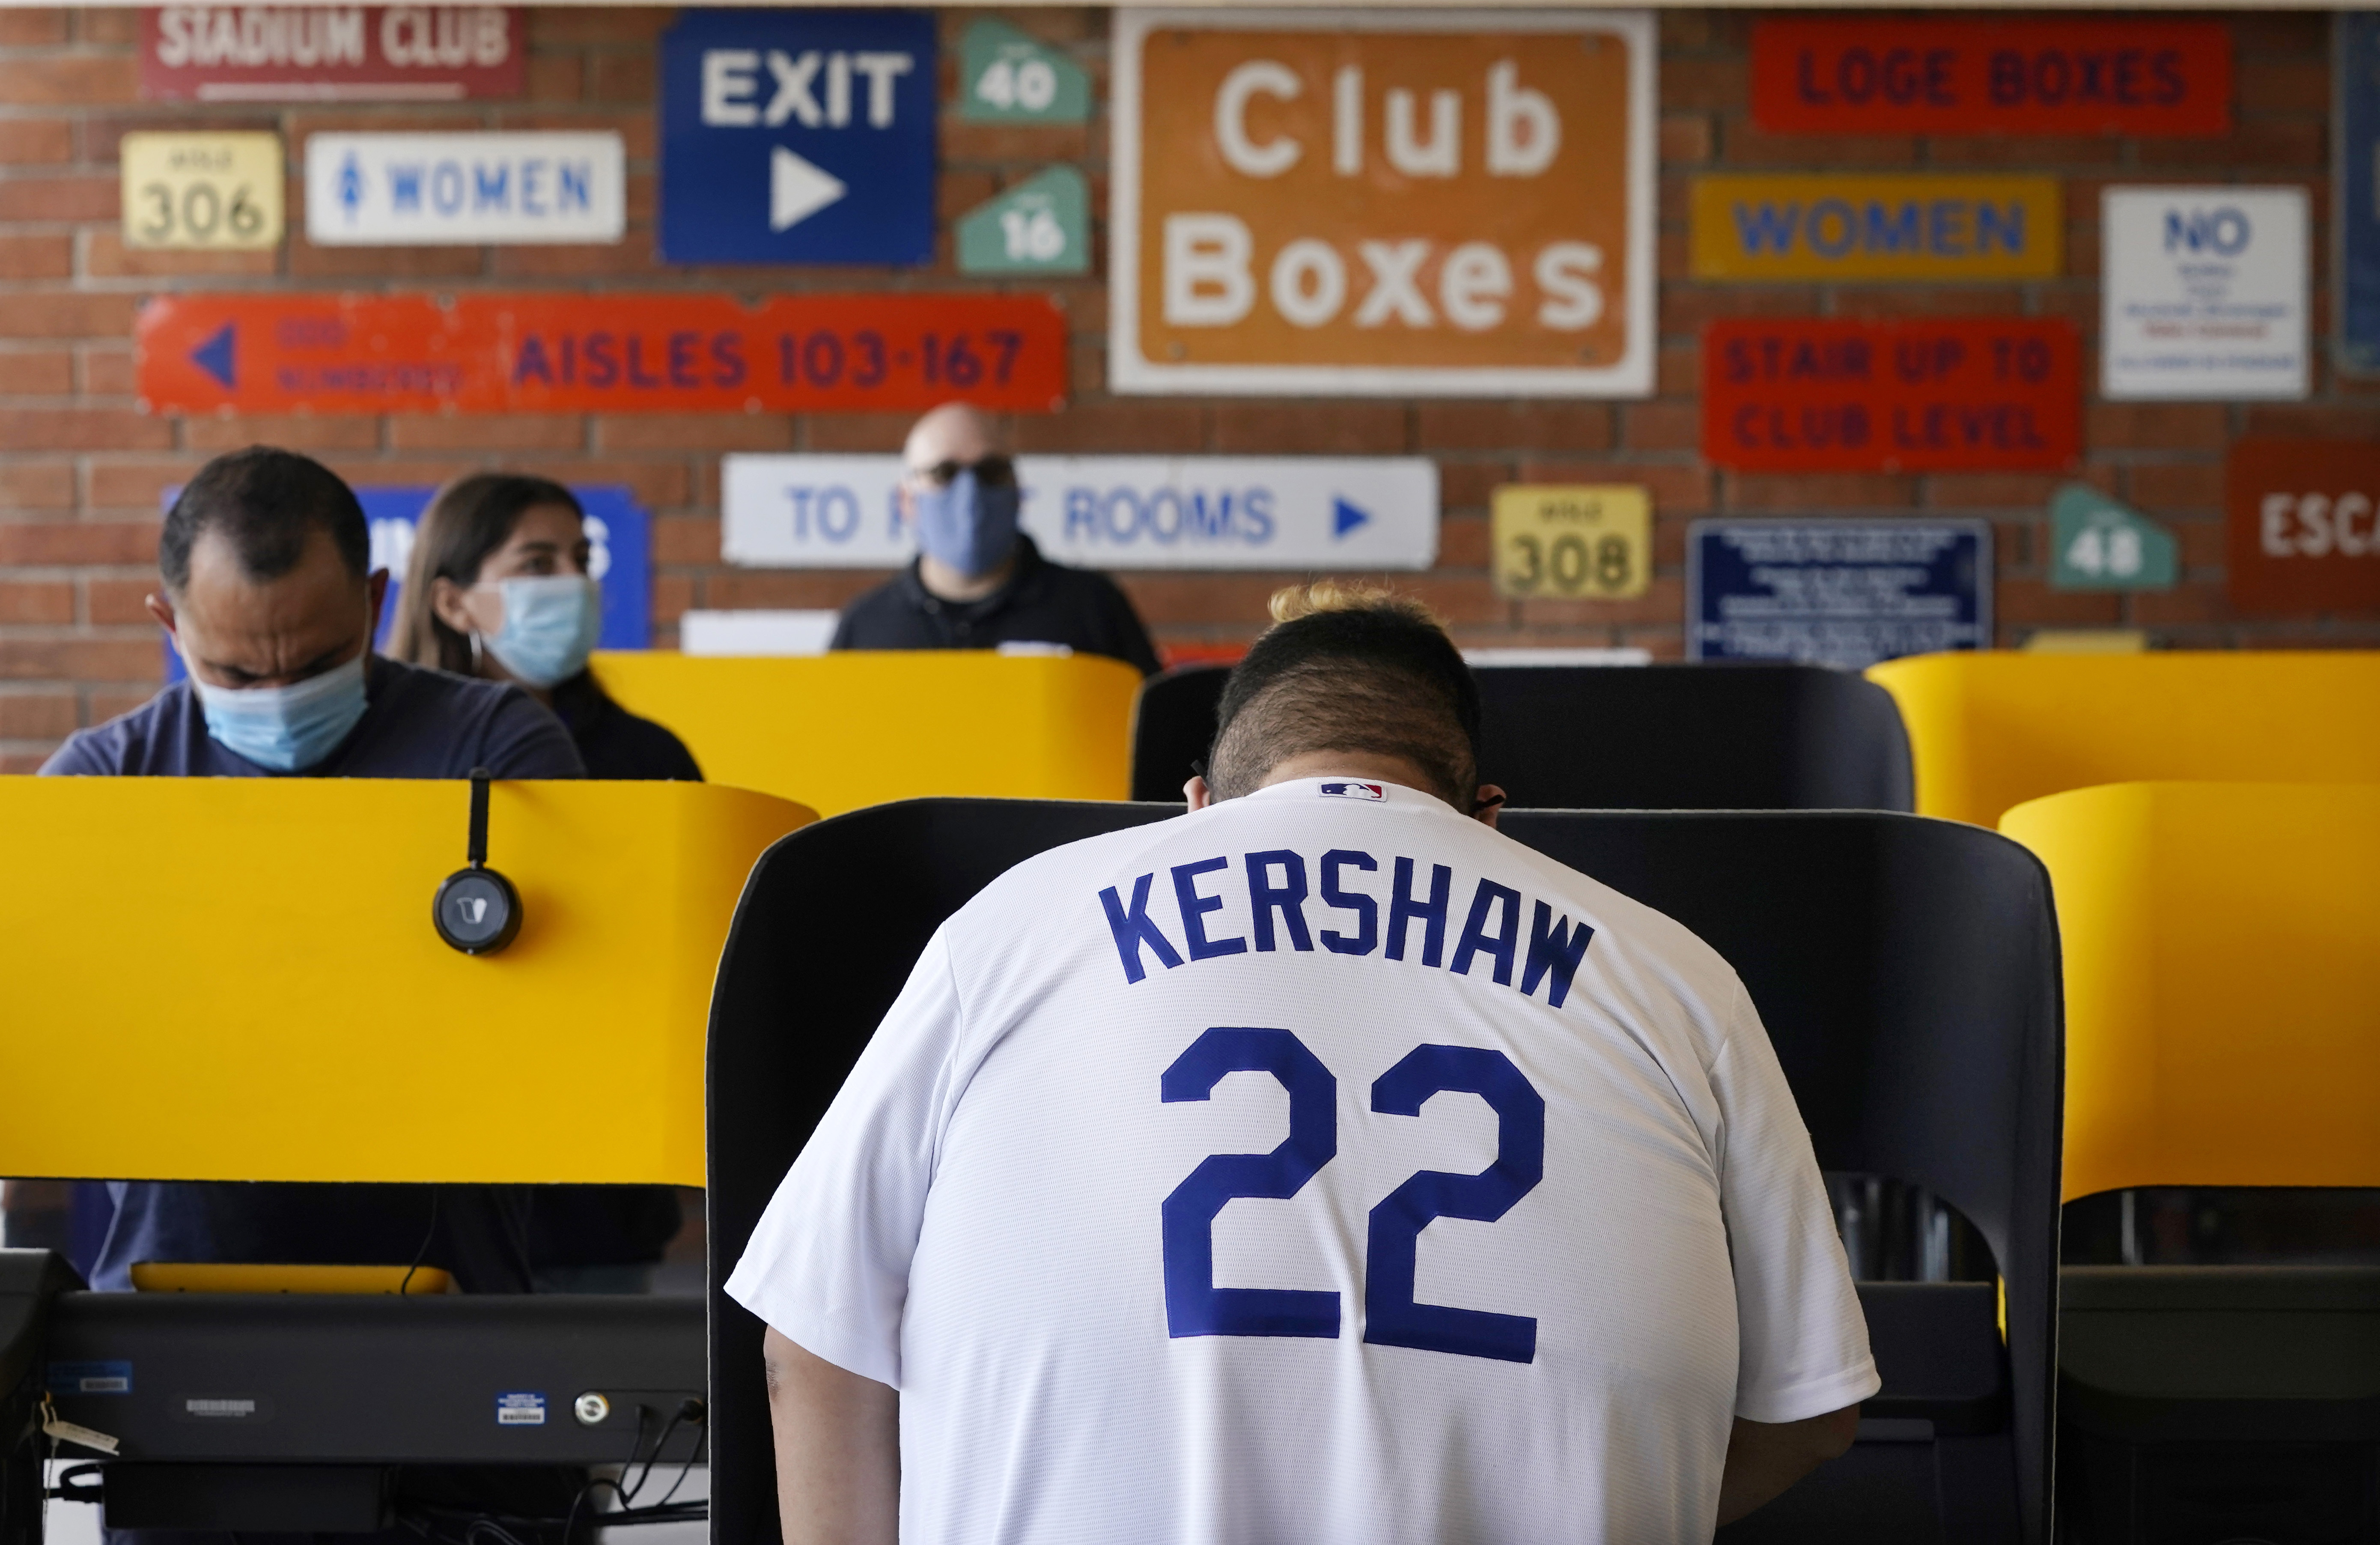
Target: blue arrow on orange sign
x=218 y=357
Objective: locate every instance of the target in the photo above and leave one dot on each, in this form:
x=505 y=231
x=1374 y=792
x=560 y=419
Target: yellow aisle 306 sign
x=216 y=191
x=1383 y=202
x=1588 y=543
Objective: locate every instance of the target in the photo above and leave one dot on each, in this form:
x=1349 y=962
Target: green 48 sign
x=2098 y=544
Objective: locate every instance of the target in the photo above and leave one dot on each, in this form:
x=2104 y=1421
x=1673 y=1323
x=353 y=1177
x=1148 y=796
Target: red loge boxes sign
x=2035 y=76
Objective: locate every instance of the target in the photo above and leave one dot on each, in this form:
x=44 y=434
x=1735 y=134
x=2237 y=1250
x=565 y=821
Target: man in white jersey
x=1317 y=1166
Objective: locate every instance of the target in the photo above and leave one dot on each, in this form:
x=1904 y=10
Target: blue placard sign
x=619 y=538
x=799 y=136
x=1847 y=593
x=2356 y=167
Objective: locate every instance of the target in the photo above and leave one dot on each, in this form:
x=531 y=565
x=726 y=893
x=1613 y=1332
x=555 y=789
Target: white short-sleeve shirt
x=1321 y=1166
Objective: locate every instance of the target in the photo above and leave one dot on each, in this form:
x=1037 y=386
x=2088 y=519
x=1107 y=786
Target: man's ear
x=1487 y=805
x=1197 y=792
x=163 y=610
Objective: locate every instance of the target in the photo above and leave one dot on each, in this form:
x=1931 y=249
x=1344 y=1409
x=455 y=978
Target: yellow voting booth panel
x=2222 y=955
x=238 y=979
x=839 y=731
x=1991 y=730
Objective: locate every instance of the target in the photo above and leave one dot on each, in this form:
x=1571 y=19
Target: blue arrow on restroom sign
x=1345 y=517
x=798 y=137
x=218 y=355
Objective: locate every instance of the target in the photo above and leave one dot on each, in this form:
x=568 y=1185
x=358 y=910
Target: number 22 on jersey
x=1195 y=1306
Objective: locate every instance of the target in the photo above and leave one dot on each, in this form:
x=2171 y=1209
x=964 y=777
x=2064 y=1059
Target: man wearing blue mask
x=979 y=582
x=270 y=597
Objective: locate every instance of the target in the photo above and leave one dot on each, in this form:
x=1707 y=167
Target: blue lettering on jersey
x=1277 y=895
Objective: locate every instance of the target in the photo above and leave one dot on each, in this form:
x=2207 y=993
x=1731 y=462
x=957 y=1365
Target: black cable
x=427 y=1234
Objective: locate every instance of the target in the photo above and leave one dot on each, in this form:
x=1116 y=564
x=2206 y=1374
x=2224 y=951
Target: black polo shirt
x=1042 y=604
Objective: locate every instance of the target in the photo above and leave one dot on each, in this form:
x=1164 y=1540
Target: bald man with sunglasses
x=978 y=581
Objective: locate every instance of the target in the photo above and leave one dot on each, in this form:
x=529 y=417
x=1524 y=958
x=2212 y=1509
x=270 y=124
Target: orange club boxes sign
x=598 y=353
x=1965 y=395
x=1383 y=203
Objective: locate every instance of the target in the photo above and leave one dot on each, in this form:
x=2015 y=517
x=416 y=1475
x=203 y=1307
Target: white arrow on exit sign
x=797 y=190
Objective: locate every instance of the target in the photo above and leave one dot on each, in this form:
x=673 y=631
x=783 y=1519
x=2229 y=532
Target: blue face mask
x=551 y=625
x=284 y=729
x=970 y=527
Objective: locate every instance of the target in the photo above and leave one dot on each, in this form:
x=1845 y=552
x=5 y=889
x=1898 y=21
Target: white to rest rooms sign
x=1104 y=512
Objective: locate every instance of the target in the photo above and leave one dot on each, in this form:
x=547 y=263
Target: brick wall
x=80 y=467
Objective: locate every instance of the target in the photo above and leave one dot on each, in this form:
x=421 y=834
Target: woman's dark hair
x=1349 y=667
x=467 y=520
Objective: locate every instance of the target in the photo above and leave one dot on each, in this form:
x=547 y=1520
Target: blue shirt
x=420 y=724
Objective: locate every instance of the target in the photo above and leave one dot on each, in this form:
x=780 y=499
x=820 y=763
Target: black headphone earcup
x=476 y=910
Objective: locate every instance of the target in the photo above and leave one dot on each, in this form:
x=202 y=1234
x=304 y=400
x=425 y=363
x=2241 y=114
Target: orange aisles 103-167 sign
x=1383 y=202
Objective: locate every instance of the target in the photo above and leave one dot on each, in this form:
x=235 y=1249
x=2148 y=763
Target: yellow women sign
x=1389 y=203
x=1833 y=226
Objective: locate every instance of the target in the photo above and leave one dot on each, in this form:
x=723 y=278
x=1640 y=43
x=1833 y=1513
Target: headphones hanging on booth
x=476 y=910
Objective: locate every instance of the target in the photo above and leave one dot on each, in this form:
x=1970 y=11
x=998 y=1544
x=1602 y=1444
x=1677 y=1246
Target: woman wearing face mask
x=498 y=587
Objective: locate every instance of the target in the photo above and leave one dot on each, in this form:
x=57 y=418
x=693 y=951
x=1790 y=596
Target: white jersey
x=1321 y=1166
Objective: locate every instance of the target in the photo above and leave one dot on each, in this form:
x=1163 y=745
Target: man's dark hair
x=265 y=503
x=1349 y=668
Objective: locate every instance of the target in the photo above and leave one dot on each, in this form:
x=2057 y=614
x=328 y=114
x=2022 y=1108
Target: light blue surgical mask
x=551 y=625
x=284 y=729
x=971 y=528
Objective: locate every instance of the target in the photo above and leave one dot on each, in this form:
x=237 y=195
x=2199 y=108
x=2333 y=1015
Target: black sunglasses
x=992 y=471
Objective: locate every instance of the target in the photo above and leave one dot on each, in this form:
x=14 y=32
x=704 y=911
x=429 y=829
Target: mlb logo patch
x=1355 y=791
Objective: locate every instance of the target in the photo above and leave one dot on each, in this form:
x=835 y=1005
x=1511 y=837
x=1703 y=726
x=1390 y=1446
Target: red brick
x=686 y=540
x=1686 y=309
x=555 y=77
x=1990 y=490
x=1310 y=429
x=2024 y=152
x=1463 y=543
x=1470 y=484
x=2152 y=426
x=1662 y=426
x=1489 y=426
x=626 y=77
x=630 y=259
x=106 y=257
x=112 y=25
x=560 y=26
x=36 y=256
x=293 y=432
x=2260 y=143
x=2279 y=32
x=117 y=602
x=1743 y=145
x=60 y=198
x=634 y=126
x=2201 y=542
x=1664 y=600
x=81 y=659
x=1721 y=83
x=1817 y=492
x=107 y=373
x=36 y=485
x=1150 y=427
x=2192 y=601
x=136 y=485
x=1685 y=140
x=2032 y=604
x=60 y=543
x=36 y=715
x=2281 y=85
x=102 y=131
x=1679 y=371
x=1189 y=600
x=32 y=28
x=855 y=432
x=61 y=314
x=309 y=261
x=36 y=142
x=484 y=431
x=84 y=428
x=2302 y=421
x=106 y=705
x=655 y=485
x=36 y=602
x=800 y=593
x=2176 y=486
x=45 y=372
x=672 y=597
x=69 y=80
x=1930 y=301
x=695 y=431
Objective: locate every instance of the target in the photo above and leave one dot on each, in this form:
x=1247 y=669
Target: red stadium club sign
x=1973 y=393
x=331 y=53
x=2036 y=76
x=598 y=353
x=2302 y=526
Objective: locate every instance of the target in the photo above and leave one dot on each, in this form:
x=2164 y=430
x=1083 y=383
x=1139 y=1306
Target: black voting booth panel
x=1907 y=970
x=1620 y=737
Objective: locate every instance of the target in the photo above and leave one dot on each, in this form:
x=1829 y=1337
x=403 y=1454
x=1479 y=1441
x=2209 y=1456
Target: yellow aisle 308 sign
x=213 y=191
x=1588 y=543
x=1382 y=202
